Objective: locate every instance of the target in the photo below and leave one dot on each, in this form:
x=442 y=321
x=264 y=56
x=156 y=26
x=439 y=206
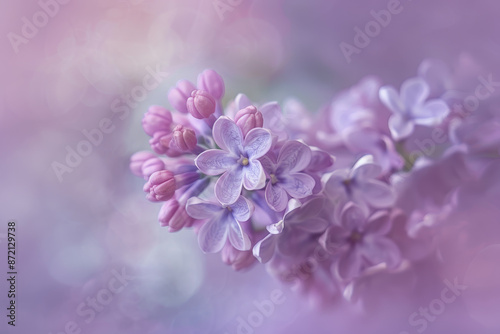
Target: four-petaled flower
x=409 y=107
x=236 y=160
x=284 y=174
x=360 y=185
x=359 y=241
x=223 y=223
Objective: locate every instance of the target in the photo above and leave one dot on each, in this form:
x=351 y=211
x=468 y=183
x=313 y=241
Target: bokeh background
x=76 y=233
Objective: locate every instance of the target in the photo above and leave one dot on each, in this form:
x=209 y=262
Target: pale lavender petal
x=365 y=168
x=215 y=162
x=238 y=238
x=276 y=197
x=294 y=157
x=298 y=185
x=390 y=98
x=276 y=228
x=228 y=135
x=199 y=209
x=228 y=186
x=268 y=164
x=431 y=113
x=242 y=209
x=414 y=92
x=254 y=177
x=264 y=249
x=273 y=119
x=213 y=235
x=381 y=250
x=353 y=217
x=335 y=187
x=377 y=193
x=400 y=126
x=303 y=212
x=320 y=161
x=334 y=239
x=379 y=223
x=349 y=264
x=313 y=225
x=257 y=142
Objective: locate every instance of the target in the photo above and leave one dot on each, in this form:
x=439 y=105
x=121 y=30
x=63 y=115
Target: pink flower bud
x=179 y=95
x=201 y=104
x=156 y=119
x=137 y=161
x=184 y=138
x=249 y=118
x=161 y=186
x=212 y=82
x=152 y=165
x=160 y=142
x=174 y=215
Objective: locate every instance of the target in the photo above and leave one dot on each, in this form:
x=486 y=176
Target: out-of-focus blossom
x=410 y=107
x=360 y=241
x=212 y=82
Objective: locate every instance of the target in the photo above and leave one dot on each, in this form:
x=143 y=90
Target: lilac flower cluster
x=325 y=199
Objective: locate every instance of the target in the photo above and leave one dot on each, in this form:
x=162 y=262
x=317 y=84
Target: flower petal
x=431 y=113
x=379 y=223
x=242 y=101
x=257 y=142
x=390 y=98
x=253 y=176
x=268 y=164
x=298 y=185
x=365 y=168
x=294 y=157
x=414 y=92
x=276 y=197
x=242 y=209
x=276 y=228
x=228 y=135
x=379 y=250
x=313 y=225
x=228 y=186
x=320 y=161
x=400 y=127
x=199 y=209
x=349 y=264
x=353 y=217
x=213 y=235
x=335 y=187
x=215 y=162
x=237 y=237
x=377 y=193
x=264 y=249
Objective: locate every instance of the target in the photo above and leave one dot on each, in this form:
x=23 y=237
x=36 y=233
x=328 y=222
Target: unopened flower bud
x=179 y=95
x=212 y=82
x=156 y=119
x=249 y=118
x=152 y=165
x=161 y=186
x=201 y=104
x=184 y=138
x=137 y=161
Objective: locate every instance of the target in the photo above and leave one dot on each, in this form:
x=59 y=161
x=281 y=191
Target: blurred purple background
x=89 y=232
